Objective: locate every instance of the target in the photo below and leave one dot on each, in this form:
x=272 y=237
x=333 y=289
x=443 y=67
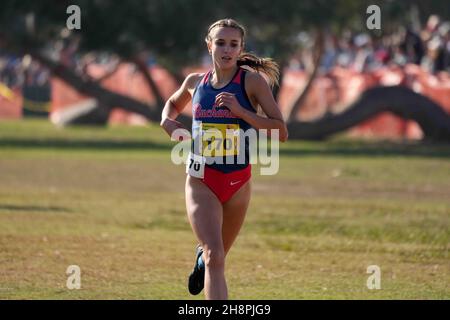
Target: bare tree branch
x=142 y=67
x=90 y=88
x=402 y=101
x=294 y=108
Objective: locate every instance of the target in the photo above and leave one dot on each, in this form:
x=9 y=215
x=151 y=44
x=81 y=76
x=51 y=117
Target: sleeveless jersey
x=228 y=151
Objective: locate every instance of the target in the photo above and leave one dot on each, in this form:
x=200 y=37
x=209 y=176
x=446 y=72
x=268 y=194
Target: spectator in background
x=444 y=32
x=430 y=28
x=331 y=52
x=412 y=46
x=398 y=56
x=433 y=61
x=347 y=51
x=364 y=59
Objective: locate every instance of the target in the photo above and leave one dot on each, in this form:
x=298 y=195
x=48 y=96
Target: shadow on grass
x=352 y=148
x=34 y=208
x=82 y=144
x=346 y=148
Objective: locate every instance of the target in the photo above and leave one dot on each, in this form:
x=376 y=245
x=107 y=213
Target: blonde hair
x=266 y=65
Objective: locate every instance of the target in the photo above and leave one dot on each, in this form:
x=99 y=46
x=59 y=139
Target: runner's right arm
x=177 y=102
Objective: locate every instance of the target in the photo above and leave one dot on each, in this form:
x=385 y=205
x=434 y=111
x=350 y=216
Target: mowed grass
x=110 y=201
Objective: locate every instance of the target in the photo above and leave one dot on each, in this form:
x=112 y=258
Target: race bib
x=219 y=139
x=195 y=165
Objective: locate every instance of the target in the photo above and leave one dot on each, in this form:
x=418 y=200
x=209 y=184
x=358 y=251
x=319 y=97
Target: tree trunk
x=142 y=66
x=402 y=101
x=294 y=108
x=107 y=99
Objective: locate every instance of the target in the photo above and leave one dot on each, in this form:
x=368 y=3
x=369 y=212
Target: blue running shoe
x=197 y=277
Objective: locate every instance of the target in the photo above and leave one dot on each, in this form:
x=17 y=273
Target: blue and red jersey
x=206 y=112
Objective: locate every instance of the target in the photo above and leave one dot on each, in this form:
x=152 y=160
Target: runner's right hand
x=170 y=126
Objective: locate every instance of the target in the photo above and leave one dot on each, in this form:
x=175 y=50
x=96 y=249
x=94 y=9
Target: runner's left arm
x=258 y=88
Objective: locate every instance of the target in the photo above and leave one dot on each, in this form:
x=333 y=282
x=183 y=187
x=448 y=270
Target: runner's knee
x=214 y=257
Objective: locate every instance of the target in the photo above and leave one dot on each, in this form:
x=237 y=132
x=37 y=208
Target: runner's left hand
x=229 y=100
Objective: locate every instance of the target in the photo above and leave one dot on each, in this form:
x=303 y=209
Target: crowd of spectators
x=361 y=52
x=17 y=72
x=429 y=48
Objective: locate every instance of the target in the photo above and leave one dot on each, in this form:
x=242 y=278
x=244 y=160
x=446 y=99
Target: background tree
x=172 y=32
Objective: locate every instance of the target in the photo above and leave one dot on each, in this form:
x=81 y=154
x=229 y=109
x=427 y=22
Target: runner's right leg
x=205 y=216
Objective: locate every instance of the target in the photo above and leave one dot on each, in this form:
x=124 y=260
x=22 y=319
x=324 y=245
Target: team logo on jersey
x=214 y=112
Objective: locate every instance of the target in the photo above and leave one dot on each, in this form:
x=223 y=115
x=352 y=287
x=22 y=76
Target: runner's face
x=225 y=46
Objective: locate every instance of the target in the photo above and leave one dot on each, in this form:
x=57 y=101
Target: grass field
x=111 y=202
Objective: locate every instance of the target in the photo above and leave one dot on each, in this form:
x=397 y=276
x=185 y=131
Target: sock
x=200 y=263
